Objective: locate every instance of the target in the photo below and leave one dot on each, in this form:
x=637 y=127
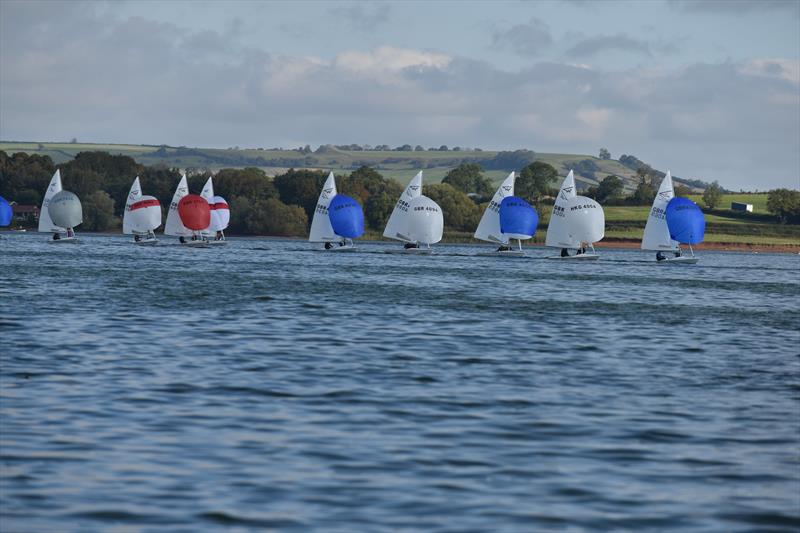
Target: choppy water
x=265 y=386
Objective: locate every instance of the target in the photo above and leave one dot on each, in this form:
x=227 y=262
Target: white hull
x=146 y=242
x=216 y=243
x=72 y=240
x=683 y=260
x=411 y=251
x=504 y=253
x=580 y=257
x=195 y=244
x=345 y=248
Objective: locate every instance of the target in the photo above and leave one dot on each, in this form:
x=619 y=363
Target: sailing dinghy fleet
x=576 y=223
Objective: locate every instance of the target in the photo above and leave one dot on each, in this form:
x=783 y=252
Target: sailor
x=678 y=252
x=660 y=256
x=70 y=233
x=56 y=236
x=136 y=238
x=218 y=237
x=183 y=240
x=503 y=248
x=564 y=252
x=328 y=246
x=410 y=245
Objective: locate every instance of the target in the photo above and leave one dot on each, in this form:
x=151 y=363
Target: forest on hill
x=284 y=204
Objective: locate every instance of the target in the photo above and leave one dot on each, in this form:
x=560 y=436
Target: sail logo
x=665 y=195
x=326 y=192
x=412 y=188
x=565 y=191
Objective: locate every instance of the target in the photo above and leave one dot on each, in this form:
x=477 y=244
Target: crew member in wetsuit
x=410 y=245
x=660 y=256
x=328 y=246
x=56 y=236
x=182 y=239
x=564 y=252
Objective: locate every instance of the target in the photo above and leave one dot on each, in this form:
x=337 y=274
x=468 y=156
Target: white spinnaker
x=557 y=230
x=45 y=222
x=397 y=227
x=174 y=226
x=489 y=226
x=208 y=194
x=656 y=232
x=586 y=221
x=425 y=221
x=65 y=209
x=144 y=215
x=220 y=214
x=321 y=229
x=134 y=195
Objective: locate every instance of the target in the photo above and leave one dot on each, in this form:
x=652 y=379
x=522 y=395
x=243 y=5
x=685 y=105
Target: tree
x=712 y=196
x=443 y=148
x=300 y=187
x=604 y=153
x=469 y=178
x=534 y=181
x=460 y=213
x=98 y=211
x=610 y=187
x=645 y=191
x=785 y=204
x=419 y=148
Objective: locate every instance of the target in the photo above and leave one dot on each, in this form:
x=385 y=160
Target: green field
x=398 y=165
x=759 y=201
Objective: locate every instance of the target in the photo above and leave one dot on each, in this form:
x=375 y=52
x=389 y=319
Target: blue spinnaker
x=6 y=213
x=518 y=220
x=685 y=221
x=347 y=217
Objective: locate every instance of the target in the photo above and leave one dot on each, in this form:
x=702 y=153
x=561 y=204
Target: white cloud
x=138 y=81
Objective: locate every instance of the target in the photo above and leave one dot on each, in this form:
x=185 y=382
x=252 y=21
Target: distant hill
x=397 y=164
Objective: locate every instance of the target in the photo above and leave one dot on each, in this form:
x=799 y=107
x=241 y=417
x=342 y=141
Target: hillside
x=400 y=165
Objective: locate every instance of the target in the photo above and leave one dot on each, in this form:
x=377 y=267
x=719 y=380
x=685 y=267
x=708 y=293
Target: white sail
x=557 y=230
x=143 y=215
x=45 y=222
x=220 y=214
x=174 y=226
x=321 y=229
x=208 y=194
x=65 y=209
x=489 y=226
x=586 y=222
x=397 y=227
x=134 y=195
x=425 y=221
x=656 y=232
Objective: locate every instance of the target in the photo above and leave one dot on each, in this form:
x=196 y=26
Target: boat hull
x=679 y=260
x=194 y=244
x=65 y=240
x=146 y=242
x=411 y=251
x=579 y=257
x=217 y=243
x=504 y=253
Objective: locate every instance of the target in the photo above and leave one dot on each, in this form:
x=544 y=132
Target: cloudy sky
x=708 y=89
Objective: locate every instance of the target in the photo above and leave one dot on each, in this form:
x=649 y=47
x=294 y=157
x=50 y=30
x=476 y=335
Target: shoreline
x=609 y=242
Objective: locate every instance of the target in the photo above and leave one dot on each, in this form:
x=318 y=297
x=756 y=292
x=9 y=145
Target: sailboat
x=6 y=213
x=142 y=215
x=507 y=217
x=576 y=222
x=686 y=225
x=656 y=236
x=220 y=214
x=415 y=220
x=338 y=219
x=46 y=223
x=189 y=235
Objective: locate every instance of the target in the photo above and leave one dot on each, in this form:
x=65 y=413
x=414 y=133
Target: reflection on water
x=268 y=386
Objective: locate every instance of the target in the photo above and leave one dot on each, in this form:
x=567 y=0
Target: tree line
x=284 y=204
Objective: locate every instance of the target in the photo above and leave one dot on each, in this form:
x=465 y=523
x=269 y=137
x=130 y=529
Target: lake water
x=267 y=386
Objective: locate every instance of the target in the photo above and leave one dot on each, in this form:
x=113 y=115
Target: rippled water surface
x=267 y=386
